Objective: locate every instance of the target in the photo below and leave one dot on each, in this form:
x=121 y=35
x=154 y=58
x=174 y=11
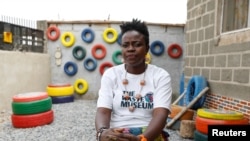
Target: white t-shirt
x=157 y=92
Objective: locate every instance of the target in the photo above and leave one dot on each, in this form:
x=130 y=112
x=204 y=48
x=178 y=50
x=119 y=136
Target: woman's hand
x=117 y=134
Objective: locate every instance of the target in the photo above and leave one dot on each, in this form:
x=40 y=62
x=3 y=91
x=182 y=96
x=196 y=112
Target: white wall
x=22 y=72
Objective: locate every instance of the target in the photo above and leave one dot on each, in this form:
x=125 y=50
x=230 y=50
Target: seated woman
x=135 y=97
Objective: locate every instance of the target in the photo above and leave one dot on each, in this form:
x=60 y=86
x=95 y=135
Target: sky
x=155 y=11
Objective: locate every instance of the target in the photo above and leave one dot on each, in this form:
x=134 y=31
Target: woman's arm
x=102 y=118
x=157 y=123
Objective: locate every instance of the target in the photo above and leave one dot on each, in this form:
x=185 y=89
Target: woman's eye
x=137 y=44
x=124 y=45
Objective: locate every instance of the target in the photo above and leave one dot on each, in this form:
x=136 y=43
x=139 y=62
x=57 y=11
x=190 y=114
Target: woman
x=135 y=97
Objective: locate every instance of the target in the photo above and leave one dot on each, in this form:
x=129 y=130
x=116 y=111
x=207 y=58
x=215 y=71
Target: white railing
x=18 y=21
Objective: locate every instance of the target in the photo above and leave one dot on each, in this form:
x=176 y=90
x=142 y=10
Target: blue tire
x=90 y=64
x=154 y=50
x=84 y=36
x=62 y=99
x=195 y=85
x=68 y=71
x=119 y=39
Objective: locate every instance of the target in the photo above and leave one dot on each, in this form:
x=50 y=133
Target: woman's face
x=134 y=48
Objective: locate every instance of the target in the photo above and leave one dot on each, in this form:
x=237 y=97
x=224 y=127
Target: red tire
x=97 y=55
x=53 y=29
x=202 y=123
x=26 y=121
x=174 y=51
x=59 y=85
x=104 y=66
x=28 y=97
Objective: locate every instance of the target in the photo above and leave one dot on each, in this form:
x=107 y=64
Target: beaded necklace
x=138 y=95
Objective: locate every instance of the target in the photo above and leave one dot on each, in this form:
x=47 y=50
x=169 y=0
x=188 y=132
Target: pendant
x=138 y=96
x=142 y=82
x=126 y=96
x=124 y=81
x=131 y=108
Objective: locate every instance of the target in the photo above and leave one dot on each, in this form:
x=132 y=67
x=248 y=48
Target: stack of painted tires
x=207 y=117
x=31 y=110
x=61 y=93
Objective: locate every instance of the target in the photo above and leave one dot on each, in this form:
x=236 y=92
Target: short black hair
x=136 y=25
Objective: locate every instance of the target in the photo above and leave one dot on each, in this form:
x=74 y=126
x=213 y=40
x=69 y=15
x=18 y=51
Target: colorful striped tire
x=33 y=120
x=62 y=99
x=32 y=107
x=219 y=114
x=201 y=123
x=28 y=97
x=60 y=91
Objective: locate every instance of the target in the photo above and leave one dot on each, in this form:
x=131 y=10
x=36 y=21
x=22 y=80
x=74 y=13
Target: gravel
x=73 y=121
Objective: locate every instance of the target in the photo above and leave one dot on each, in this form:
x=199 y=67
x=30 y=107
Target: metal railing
x=20 y=35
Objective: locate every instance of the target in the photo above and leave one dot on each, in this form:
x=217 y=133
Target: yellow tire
x=110 y=31
x=60 y=91
x=148 y=58
x=81 y=86
x=70 y=36
x=219 y=114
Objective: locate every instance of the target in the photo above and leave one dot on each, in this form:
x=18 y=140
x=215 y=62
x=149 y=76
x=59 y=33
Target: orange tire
x=28 y=97
x=53 y=29
x=175 y=109
x=201 y=123
x=97 y=55
x=33 y=120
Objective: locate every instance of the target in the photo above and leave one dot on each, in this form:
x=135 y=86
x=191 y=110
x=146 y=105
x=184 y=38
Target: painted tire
x=115 y=57
x=33 y=120
x=105 y=65
x=60 y=91
x=198 y=136
x=219 y=114
x=81 y=86
x=108 y=31
x=154 y=50
x=195 y=85
x=82 y=54
x=148 y=58
x=201 y=123
x=62 y=99
x=98 y=47
x=174 y=51
x=59 y=85
x=87 y=63
x=28 y=97
x=32 y=107
x=119 y=39
x=49 y=32
x=71 y=37
x=175 y=109
x=69 y=65
x=84 y=36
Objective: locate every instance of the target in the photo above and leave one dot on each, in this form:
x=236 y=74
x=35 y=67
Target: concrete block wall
x=222 y=59
x=166 y=33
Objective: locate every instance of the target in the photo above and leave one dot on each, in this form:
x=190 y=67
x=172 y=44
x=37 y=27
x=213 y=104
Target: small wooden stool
x=187 y=128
